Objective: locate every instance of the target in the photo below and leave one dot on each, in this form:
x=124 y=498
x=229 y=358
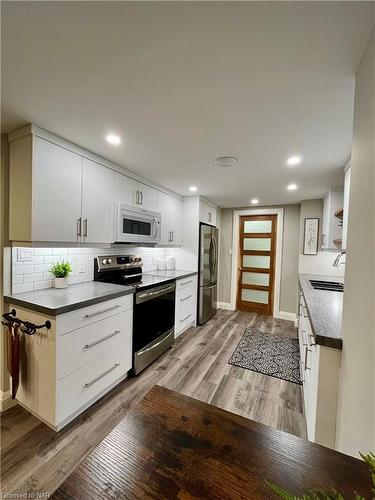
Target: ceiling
x=185 y=82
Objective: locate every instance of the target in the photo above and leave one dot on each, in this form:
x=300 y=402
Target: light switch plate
x=24 y=254
x=81 y=266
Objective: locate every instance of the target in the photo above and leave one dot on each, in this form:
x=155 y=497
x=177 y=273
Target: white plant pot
x=61 y=282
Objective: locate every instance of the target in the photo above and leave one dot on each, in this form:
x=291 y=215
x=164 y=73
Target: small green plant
x=330 y=494
x=61 y=269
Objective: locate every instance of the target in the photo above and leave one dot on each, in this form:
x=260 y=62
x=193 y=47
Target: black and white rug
x=268 y=353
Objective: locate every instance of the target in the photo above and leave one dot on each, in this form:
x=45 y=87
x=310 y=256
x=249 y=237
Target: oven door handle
x=149 y=295
x=143 y=351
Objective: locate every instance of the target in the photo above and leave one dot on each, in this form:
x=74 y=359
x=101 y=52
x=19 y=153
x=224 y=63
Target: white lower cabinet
x=186 y=304
x=84 y=354
x=320 y=367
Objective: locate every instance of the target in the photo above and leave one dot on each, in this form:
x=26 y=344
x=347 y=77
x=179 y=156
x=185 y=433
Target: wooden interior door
x=256 y=273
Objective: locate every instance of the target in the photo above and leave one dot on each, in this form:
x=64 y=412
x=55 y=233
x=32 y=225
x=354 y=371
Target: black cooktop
x=141 y=281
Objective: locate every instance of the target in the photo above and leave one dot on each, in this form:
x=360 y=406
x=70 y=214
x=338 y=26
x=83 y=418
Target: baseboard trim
x=6 y=401
x=288 y=316
x=225 y=305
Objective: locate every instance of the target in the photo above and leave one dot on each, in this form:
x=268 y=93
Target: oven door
x=153 y=324
x=135 y=225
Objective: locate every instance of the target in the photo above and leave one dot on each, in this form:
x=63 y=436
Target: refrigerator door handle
x=209 y=286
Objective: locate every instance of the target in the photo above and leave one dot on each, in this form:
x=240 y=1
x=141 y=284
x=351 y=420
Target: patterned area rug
x=268 y=353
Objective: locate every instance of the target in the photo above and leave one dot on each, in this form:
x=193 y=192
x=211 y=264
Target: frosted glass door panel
x=261 y=279
x=254 y=296
x=259 y=244
x=258 y=226
x=261 y=261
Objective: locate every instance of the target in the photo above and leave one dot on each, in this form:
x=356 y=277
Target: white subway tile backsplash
x=35 y=275
x=25 y=287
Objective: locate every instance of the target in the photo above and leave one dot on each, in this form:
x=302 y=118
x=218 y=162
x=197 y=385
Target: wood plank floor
x=35 y=459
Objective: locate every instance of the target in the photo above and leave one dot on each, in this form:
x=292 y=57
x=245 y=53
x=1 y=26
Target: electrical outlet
x=81 y=266
x=24 y=254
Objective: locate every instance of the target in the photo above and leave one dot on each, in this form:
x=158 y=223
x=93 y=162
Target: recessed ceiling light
x=292 y=187
x=254 y=201
x=113 y=139
x=225 y=162
x=193 y=188
x=293 y=160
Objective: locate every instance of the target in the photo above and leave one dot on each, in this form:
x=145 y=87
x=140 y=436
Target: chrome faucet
x=337 y=261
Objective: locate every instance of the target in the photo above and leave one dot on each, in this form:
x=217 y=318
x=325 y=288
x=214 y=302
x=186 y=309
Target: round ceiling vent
x=225 y=162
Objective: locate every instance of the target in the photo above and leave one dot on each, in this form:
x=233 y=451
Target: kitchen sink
x=333 y=286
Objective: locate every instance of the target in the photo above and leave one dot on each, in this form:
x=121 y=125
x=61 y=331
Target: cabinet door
x=97 y=203
x=207 y=213
x=148 y=197
x=56 y=192
x=125 y=189
x=165 y=207
x=325 y=221
x=176 y=222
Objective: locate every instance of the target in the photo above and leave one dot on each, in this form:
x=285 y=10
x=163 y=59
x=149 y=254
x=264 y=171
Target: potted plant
x=61 y=271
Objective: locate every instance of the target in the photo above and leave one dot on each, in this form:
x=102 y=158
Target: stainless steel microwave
x=137 y=225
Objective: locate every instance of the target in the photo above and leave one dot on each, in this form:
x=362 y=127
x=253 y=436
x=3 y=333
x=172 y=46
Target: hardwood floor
x=35 y=459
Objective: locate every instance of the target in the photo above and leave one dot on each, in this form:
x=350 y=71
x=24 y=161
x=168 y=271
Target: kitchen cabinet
x=97 y=203
x=69 y=367
x=186 y=304
x=319 y=368
x=170 y=208
x=57 y=195
x=132 y=192
x=346 y=206
x=207 y=213
x=332 y=225
x=54 y=192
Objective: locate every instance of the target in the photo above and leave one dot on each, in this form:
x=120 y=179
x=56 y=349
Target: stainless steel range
x=154 y=305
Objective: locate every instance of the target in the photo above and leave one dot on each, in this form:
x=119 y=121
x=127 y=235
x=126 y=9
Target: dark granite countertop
x=324 y=309
x=55 y=301
x=172 y=273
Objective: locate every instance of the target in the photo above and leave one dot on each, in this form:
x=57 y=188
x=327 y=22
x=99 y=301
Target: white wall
x=356 y=409
x=322 y=263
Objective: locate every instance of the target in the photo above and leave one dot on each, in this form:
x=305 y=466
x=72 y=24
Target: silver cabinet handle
x=187 y=317
x=169 y=236
x=306 y=351
x=172 y=235
x=85 y=228
x=303 y=341
x=186 y=283
x=137 y=202
x=102 y=311
x=301 y=370
x=141 y=197
x=186 y=298
x=209 y=216
x=79 y=226
x=88 y=346
x=99 y=377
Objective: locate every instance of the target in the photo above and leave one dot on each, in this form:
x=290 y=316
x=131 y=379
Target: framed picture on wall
x=311 y=237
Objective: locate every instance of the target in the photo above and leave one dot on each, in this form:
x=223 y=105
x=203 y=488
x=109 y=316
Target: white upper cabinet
x=135 y=193
x=171 y=219
x=97 y=203
x=207 y=213
x=56 y=193
x=346 y=207
x=332 y=219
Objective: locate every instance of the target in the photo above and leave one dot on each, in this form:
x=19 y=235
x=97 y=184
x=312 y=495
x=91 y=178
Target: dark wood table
x=171 y=446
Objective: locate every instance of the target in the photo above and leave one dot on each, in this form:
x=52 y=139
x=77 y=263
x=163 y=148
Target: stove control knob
x=104 y=262
x=109 y=261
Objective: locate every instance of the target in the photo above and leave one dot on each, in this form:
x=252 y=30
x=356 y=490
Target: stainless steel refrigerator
x=207 y=279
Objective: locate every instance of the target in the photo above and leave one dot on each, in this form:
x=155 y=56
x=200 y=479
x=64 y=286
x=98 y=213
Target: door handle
x=79 y=226
x=85 y=228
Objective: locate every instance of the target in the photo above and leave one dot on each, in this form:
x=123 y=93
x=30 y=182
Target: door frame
x=279 y=245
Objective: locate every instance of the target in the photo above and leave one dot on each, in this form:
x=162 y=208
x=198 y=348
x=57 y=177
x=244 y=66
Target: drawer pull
x=301 y=370
x=101 y=312
x=187 y=317
x=313 y=339
x=186 y=283
x=306 y=351
x=88 y=346
x=186 y=298
x=99 y=377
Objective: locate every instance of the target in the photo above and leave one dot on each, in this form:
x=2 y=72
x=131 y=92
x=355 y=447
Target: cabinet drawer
x=79 y=347
x=185 y=298
x=185 y=283
x=184 y=318
x=81 y=317
x=90 y=382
